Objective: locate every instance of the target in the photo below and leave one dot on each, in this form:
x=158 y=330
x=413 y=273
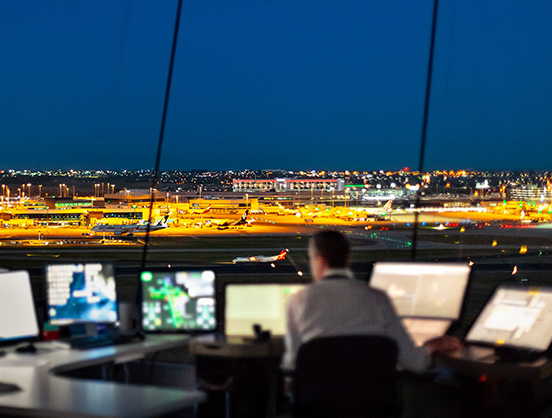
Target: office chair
x=346 y=376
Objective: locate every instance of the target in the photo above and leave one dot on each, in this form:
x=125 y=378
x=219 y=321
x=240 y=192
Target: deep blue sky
x=275 y=84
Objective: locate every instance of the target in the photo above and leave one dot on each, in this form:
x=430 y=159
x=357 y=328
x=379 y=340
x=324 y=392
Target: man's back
x=341 y=306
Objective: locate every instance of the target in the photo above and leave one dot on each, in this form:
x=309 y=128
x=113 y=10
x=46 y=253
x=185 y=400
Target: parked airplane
x=201 y=211
x=161 y=224
x=231 y=223
x=260 y=258
x=129 y=229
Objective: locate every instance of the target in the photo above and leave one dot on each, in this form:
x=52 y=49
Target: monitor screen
x=434 y=290
x=81 y=292
x=518 y=317
x=18 y=320
x=263 y=304
x=181 y=301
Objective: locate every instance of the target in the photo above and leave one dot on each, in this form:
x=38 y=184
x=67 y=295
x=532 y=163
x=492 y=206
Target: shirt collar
x=338 y=273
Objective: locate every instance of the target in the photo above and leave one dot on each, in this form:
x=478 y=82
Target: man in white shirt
x=337 y=304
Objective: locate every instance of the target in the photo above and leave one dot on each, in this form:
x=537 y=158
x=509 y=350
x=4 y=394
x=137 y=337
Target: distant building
x=363 y=193
x=529 y=192
x=288 y=185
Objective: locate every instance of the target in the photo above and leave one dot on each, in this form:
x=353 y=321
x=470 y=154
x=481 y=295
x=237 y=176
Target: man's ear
x=323 y=263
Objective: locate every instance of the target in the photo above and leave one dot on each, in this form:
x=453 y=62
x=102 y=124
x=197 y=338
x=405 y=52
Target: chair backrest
x=346 y=376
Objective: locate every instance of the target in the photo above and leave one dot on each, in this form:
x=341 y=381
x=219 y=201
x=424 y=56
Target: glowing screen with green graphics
x=178 y=300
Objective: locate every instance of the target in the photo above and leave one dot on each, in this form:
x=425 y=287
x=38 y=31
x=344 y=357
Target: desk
x=238 y=347
x=476 y=361
x=245 y=370
x=498 y=388
x=45 y=394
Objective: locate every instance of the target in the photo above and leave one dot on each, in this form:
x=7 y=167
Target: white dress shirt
x=342 y=305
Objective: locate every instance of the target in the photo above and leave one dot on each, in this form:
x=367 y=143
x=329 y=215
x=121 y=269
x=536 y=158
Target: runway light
x=514 y=271
x=495 y=243
x=272 y=265
x=300 y=273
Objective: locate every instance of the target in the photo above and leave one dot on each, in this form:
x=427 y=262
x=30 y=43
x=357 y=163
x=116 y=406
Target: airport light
x=29 y=187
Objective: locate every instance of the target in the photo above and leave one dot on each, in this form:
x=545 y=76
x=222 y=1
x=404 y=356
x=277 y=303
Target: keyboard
x=8 y=387
x=83 y=342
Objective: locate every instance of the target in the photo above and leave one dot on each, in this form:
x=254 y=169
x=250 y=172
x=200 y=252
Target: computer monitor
x=517 y=317
x=18 y=321
x=263 y=304
x=81 y=293
x=178 y=301
x=429 y=290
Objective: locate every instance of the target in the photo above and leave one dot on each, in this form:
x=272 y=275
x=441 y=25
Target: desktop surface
x=44 y=394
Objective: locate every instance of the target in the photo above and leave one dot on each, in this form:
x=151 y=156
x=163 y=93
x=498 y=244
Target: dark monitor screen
x=178 y=301
x=81 y=292
x=18 y=320
x=517 y=317
x=430 y=290
x=263 y=304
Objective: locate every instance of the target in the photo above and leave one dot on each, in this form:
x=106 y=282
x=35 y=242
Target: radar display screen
x=263 y=304
x=178 y=301
x=429 y=290
x=516 y=317
x=82 y=292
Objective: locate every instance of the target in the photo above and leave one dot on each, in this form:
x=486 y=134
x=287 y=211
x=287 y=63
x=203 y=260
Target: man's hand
x=446 y=343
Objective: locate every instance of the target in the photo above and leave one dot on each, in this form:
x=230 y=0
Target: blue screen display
x=81 y=293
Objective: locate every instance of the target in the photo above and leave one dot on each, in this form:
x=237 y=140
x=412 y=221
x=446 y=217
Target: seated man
x=337 y=304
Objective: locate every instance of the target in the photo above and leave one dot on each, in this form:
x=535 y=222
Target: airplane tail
x=282 y=255
x=244 y=216
x=207 y=209
x=163 y=221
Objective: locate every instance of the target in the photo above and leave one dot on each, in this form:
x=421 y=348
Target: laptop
x=264 y=304
x=516 y=321
x=18 y=320
x=427 y=296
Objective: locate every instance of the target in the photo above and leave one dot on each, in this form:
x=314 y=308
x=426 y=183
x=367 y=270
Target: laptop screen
x=81 y=292
x=518 y=317
x=432 y=290
x=178 y=301
x=263 y=304
x=18 y=320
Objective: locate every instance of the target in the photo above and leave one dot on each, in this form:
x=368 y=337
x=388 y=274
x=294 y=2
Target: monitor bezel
x=24 y=338
x=192 y=332
x=54 y=322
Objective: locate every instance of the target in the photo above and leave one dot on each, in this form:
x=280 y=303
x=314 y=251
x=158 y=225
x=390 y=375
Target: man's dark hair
x=334 y=247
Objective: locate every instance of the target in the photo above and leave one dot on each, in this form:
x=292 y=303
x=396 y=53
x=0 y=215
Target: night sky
x=286 y=84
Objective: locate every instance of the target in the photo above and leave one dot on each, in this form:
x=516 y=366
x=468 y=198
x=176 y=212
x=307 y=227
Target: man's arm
x=292 y=339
